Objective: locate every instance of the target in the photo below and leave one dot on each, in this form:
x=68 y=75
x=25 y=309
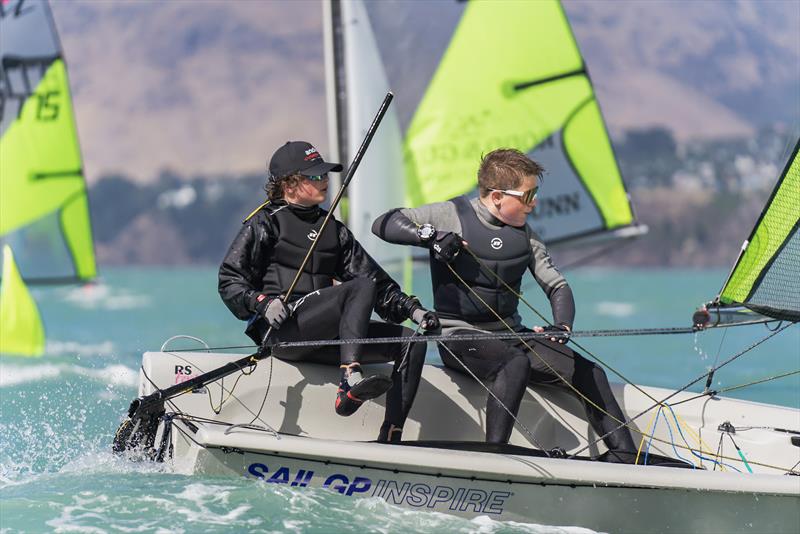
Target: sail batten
x=766 y=277
x=481 y=75
x=44 y=213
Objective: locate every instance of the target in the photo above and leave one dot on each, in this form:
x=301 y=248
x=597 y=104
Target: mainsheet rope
x=521 y=298
x=515 y=335
x=684 y=388
x=714 y=392
x=581 y=395
x=407 y=339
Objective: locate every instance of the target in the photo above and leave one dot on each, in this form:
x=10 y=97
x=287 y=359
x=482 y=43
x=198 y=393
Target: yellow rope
x=644 y=435
x=534 y=310
x=581 y=395
x=704 y=448
x=255 y=211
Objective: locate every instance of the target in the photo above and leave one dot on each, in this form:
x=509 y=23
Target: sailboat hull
x=298 y=441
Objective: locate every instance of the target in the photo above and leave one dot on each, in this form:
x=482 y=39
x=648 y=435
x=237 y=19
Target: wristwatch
x=426 y=232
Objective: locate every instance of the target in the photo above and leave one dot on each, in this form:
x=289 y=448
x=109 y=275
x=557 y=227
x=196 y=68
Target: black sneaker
x=350 y=398
x=390 y=433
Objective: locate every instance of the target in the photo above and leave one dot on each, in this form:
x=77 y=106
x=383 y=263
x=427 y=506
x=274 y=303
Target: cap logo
x=496 y=243
x=311 y=153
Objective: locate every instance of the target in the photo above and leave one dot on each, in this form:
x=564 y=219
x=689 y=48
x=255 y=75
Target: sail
x=479 y=75
x=44 y=212
x=21 y=330
x=766 y=277
x=379 y=183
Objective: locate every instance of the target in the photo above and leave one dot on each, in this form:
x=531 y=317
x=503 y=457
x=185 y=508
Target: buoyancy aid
x=505 y=250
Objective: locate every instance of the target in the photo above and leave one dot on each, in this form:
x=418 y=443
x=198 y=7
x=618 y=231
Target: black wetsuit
x=507 y=251
x=263 y=260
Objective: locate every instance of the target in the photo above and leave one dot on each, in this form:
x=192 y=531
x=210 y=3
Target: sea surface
x=58 y=413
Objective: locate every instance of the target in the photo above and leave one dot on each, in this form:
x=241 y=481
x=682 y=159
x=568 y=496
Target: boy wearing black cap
x=335 y=295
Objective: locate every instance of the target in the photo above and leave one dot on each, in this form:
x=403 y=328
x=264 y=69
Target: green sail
x=43 y=207
x=21 y=330
x=44 y=212
x=512 y=76
x=767 y=276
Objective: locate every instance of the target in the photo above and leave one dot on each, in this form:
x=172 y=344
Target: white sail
x=379 y=183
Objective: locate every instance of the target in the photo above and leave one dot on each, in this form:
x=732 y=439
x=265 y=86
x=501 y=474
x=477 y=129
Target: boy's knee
x=520 y=364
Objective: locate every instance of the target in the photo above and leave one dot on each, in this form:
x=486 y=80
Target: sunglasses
x=317 y=177
x=526 y=197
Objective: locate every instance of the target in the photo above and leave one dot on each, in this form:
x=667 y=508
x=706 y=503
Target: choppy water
x=58 y=413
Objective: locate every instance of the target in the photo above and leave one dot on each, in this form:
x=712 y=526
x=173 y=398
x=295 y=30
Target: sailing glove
x=446 y=246
x=558 y=333
x=273 y=310
x=427 y=319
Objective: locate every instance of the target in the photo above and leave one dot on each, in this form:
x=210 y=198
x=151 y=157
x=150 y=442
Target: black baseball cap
x=299 y=157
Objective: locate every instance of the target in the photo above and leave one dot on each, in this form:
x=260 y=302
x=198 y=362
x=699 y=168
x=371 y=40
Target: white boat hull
x=312 y=447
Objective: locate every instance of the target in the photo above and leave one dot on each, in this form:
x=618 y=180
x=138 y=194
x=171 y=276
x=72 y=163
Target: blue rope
x=687 y=443
x=653 y=433
x=672 y=441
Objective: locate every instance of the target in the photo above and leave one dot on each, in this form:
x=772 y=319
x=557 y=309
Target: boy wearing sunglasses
x=335 y=296
x=467 y=297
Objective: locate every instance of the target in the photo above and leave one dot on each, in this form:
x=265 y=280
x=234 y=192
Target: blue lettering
x=359 y=485
x=298 y=478
x=281 y=476
x=339 y=487
x=258 y=470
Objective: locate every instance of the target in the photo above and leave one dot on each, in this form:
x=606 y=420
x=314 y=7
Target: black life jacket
x=506 y=251
x=296 y=231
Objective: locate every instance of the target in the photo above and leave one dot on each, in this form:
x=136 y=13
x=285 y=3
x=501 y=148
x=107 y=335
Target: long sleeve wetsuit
x=338 y=291
x=501 y=362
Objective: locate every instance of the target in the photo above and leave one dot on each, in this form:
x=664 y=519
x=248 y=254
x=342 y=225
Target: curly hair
x=505 y=168
x=276 y=187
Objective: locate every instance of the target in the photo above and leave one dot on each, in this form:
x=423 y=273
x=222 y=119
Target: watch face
x=426 y=232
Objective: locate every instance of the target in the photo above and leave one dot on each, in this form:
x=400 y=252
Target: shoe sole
x=371 y=387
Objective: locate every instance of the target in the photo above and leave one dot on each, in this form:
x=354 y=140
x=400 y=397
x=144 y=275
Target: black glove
x=427 y=319
x=558 y=333
x=446 y=246
x=274 y=311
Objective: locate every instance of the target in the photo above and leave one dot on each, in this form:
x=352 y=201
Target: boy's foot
x=390 y=433
x=354 y=390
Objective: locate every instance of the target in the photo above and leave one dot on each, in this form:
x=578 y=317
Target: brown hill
x=211 y=87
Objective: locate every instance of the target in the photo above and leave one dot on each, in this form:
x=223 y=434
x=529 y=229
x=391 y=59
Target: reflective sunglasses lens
x=530 y=195
x=317 y=178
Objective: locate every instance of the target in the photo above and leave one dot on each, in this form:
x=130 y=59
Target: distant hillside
x=702 y=68
x=208 y=87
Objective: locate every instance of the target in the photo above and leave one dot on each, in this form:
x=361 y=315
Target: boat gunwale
x=720 y=482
